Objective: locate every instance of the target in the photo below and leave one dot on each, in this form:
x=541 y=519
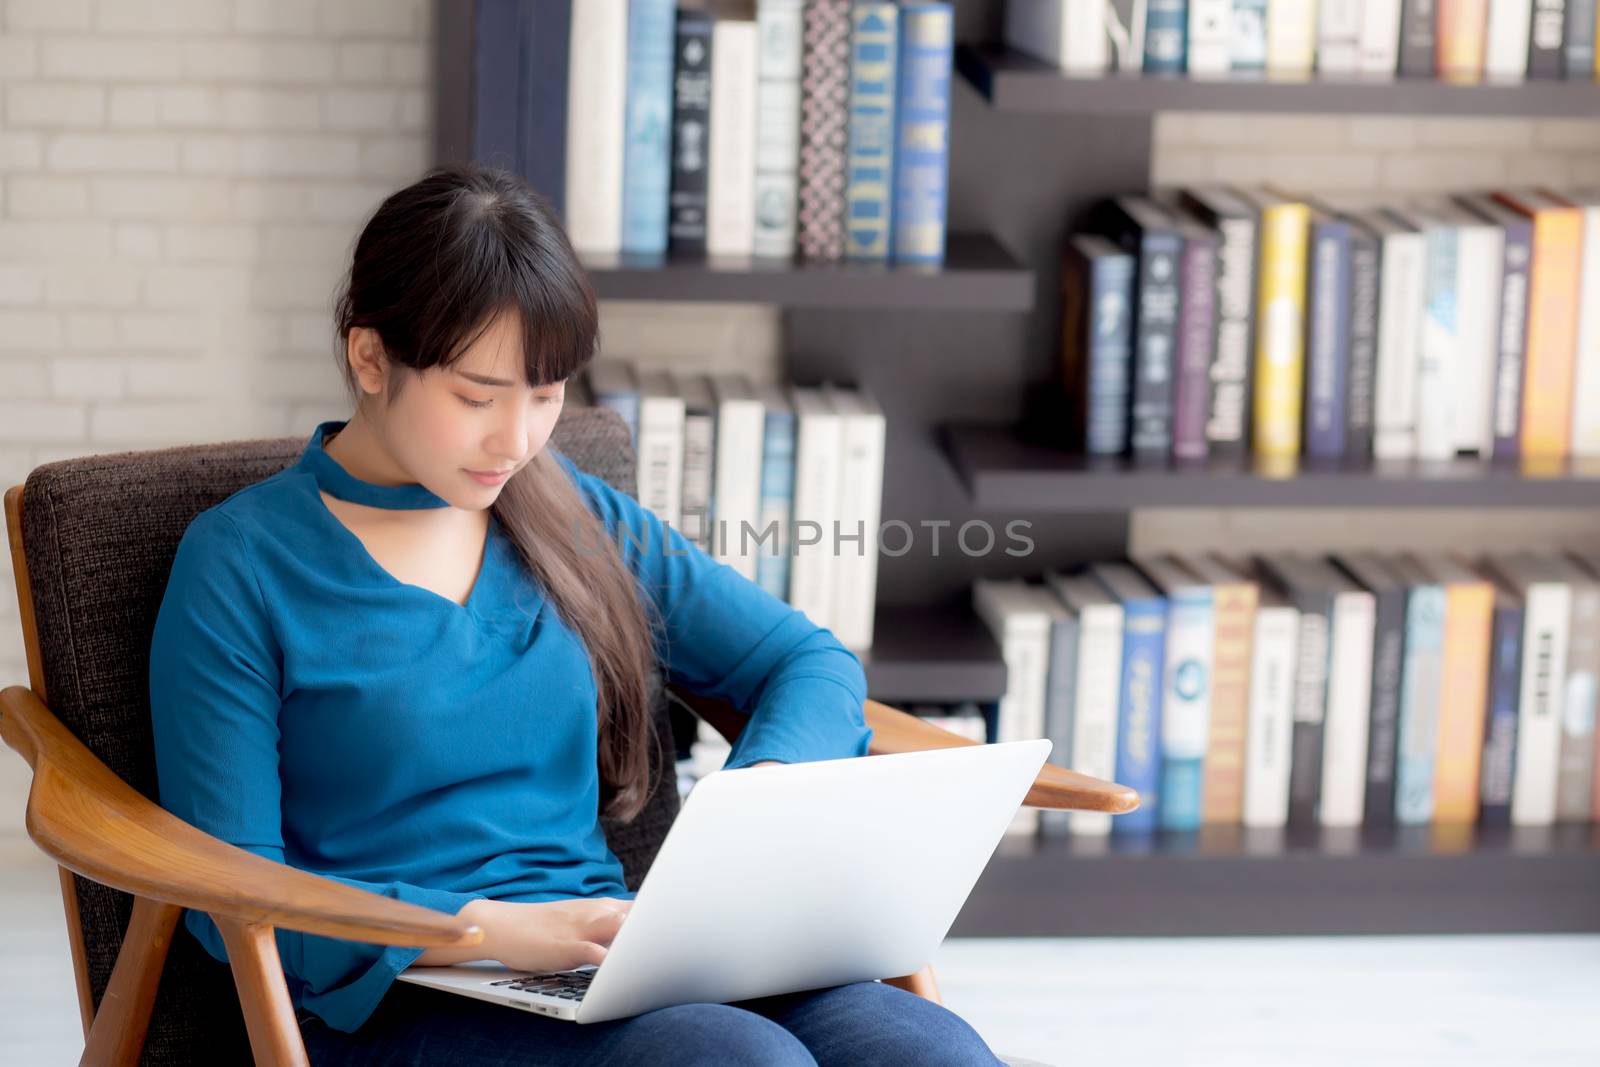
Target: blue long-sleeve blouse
x=312 y=708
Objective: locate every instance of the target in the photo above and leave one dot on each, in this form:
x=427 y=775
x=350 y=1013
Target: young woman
x=416 y=662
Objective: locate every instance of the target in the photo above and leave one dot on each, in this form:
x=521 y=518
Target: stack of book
x=1216 y=323
x=1455 y=40
x=782 y=483
x=812 y=126
x=1352 y=690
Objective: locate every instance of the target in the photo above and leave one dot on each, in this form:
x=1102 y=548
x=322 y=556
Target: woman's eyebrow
x=482 y=379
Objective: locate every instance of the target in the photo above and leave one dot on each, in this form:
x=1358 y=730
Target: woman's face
x=463 y=430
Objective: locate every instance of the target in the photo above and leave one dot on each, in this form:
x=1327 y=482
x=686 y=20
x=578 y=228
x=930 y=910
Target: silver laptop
x=786 y=878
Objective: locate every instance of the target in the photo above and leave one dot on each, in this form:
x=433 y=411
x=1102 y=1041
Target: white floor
x=1454 y=1002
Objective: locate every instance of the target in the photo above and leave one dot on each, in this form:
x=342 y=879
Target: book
x=1389 y=593
x=1339 y=36
x=1020 y=616
x=660 y=446
x=1546 y=39
x=647 y=137
x=1196 y=335
x=1248 y=42
x=1505 y=55
x=1464 y=687
x=1380 y=36
x=1095 y=699
x=1586 y=362
x=777 y=491
x=1097 y=281
x=869 y=176
x=1500 y=725
x=736 y=471
x=1069 y=33
x=731 y=176
x=1510 y=323
x=1575 y=764
x=1210 y=34
x=824 y=128
x=1327 y=341
x=1274 y=652
x=596 y=105
x=699 y=444
x=1234 y=599
x=862 y=436
x=1312 y=591
x=778 y=29
x=1461 y=27
x=1439 y=354
x=691 y=132
x=1578 y=41
x=496 y=76
x=1144 y=619
x=1227 y=417
x=922 y=150
x=1422 y=679
x=1361 y=371
x=612 y=384
x=1589 y=562
x=546 y=34
x=1280 y=330
x=1125 y=31
x=1059 y=691
x=819 y=444
x=1291 y=36
x=1166 y=36
x=1185 y=689
x=1401 y=277
x=1418 y=42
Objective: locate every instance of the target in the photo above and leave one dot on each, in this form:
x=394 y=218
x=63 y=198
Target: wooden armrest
x=895 y=731
x=94 y=823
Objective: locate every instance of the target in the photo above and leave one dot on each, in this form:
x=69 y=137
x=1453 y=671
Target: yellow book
x=1280 y=330
x=1464 y=688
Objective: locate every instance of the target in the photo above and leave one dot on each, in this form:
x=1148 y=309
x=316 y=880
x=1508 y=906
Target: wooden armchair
x=92 y=543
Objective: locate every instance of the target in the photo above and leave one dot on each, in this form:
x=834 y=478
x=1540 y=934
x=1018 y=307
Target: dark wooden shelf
x=1013 y=81
x=941 y=653
x=1227 y=880
x=1002 y=472
x=978 y=274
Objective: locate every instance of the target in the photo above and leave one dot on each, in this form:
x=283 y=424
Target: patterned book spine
x=1388 y=656
x=647 y=150
x=1327 y=339
x=1579 y=41
x=1500 y=728
x=922 y=149
x=1139 y=720
x=1575 y=764
x=1249 y=41
x=1417 y=48
x=1280 y=335
x=1186 y=705
x=1196 y=335
x=691 y=128
x=1512 y=338
x=1361 y=379
x=1234 y=612
x=824 y=128
x=1419 y=705
x=1166 y=36
x=1546 y=36
x=874 y=49
x=1464 y=690
x=546 y=35
x=778 y=25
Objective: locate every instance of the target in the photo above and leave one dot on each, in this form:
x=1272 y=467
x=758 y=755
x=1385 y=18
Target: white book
x=1270 y=727
x=1344 y=729
x=1380 y=36
x=597 y=92
x=1480 y=263
x=1586 y=370
x=778 y=29
x=661 y=416
x=1210 y=30
x=1291 y=35
x=1439 y=348
x=855 y=588
x=731 y=175
x=1069 y=33
x=699 y=440
x=1097 y=689
x=817 y=453
x=736 y=471
x=1339 y=24
x=1403 y=261
x=1020 y=617
x=1547 y=609
x=1506 y=40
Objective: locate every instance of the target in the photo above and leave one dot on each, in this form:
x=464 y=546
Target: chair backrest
x=99 y=535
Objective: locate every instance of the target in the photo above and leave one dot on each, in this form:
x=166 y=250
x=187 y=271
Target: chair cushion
x=100 y=534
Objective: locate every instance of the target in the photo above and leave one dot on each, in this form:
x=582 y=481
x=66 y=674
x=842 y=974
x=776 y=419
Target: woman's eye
x=471 y=403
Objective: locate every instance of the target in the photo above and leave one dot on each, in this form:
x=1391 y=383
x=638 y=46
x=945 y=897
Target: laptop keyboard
x=568 y=985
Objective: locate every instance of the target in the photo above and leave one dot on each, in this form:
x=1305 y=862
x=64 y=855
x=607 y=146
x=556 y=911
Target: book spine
x=1546 y=36
x=1399 y=337
x=1344 y=755
x=647 y=148
x=1310 y=709
x=1511 y=342
x=1441 y=337
x=816 y=492
x=736 y=494
x=1339 y=36
x=824 y=128
x=1095 y=705
x=1196 y=334
x=1461 y=43
x=922 y=152
x=778 y=27
x=1552 y=334
x=1388 y=656
x=855 y=591
x=1110 y=355
x=1026 y=653
x=1280 y=337
x=1156 y=324
x=1227 y=418
x=1234 y=616
x=1575 y=763
x=1210 y=27
x=1419 y=705
x=1500 y=729
x=699 y=431
x=1186 y=706
x=1548 y=607
x=1165 y=36
x=1248 y=44
x=546 y=34
x=1139 y=718
x=1268 y=748
x=1469 y=622
x=1481 y=256
x=1380 y=36
x=874 y=50
x=1579 y=40
x=1586 y=383
x=1417 y=48
x=731 y=179
x=1360 y=387
x=1061 y=684
x=1506 y=52
x=495 y=79
x=1291 y=35
x=691 y=129
x=1327 y=340
x=777 y=501
x=596 y=104
x=1125 y=31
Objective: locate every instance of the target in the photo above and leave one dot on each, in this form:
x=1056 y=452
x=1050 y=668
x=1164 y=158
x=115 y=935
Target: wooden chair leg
x=117 y=1035
x=922 y=984
x=263 y=994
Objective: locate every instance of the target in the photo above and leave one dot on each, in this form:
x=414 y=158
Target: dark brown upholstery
x=100 y=535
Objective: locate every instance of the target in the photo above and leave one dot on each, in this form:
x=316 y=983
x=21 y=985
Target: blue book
x=1247 y=45
x=496 y=74
x=1422 y=675
x=1327 y=336
x=869 y=183
x=546 y=35
x=922 y=138
x=612 y=384
x=777 y=492
x=647 y=142
x=691 y=127
x=1144 y=640
x=1500 y=725
x=1166 y=36
x=1097 y=350
x=1186 y=691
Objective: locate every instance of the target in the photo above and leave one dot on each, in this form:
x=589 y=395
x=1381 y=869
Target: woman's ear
x=368 y=360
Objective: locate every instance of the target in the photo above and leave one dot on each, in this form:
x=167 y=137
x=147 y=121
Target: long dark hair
x=437 y=263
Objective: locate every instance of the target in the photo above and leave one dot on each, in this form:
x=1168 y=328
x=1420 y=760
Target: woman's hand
x=557 y=935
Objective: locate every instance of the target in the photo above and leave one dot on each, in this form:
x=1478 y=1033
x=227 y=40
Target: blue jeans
x=862 y=1024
